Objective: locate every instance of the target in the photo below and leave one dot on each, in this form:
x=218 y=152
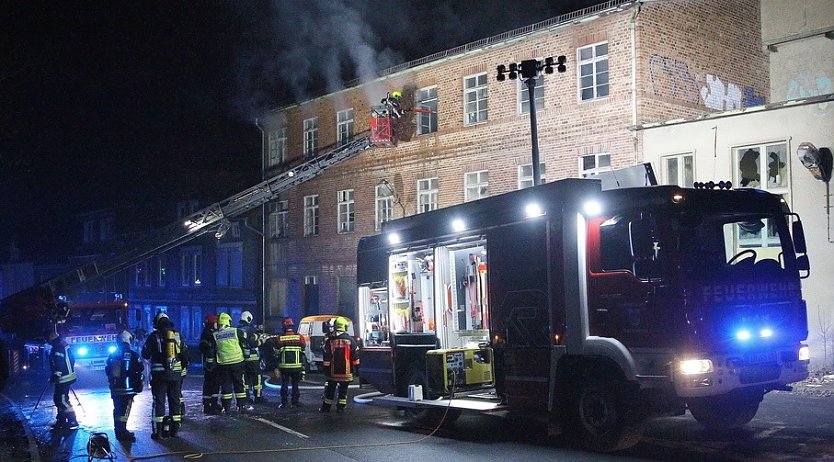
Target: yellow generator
x=456 y=369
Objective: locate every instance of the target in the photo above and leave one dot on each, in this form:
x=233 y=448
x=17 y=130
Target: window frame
x=279 y=219
x=311 y=136
x=311 y=215
x=525 y=180
x=426 y=98
x=587 y=173
x=522 y=94
x=680 y=159
x=346 y=211
x=345 y=126
x=476 y=89
x=478 y=189
x=595 y=75
x=428 y=188
x=383 y=205
x=277 y=152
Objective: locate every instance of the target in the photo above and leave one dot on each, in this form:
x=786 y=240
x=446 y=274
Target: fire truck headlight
x=695 y=366
x=111 y=349
x=804 y=353
x=394 y=238
x=592 y=208
x=743 y=334
x=82 y=351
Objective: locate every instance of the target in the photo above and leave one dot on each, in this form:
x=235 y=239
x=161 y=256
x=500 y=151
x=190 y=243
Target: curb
x=34 y=454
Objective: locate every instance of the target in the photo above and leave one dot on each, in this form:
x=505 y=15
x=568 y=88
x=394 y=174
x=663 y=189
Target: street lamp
x=529 y=70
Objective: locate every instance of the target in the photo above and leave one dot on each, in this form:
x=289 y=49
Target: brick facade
x=692 y=56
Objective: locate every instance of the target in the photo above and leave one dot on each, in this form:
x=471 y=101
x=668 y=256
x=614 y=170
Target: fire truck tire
x=723 y=414
x=424 y=415
x=600 y=420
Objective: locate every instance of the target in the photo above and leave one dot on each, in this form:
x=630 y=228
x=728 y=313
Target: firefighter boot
x=72 y=423
x=122 y=434
x=60 y=422
x=175 y=428
x=340 y=408
x=324 y=407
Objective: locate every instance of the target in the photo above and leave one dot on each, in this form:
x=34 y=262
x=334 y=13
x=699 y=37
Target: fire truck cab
x=590 y=310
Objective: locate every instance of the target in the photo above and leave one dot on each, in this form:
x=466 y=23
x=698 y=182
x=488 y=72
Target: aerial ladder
x=22 y=313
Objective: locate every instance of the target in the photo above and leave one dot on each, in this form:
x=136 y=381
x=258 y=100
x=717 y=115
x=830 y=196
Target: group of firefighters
x=232 y=366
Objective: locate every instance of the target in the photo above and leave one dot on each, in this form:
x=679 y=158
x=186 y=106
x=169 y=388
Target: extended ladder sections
x=213 y=217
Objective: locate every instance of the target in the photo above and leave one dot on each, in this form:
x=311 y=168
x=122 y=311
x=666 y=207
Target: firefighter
x=341 y=358
x=252 y=359
x=289 y=348
x=211 y=379
x=124 y=371
x=392 y=102
x=229 y=343
x=169 y=356
x=62 y=367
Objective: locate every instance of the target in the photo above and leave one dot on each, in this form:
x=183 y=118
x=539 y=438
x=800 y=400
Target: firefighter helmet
x=340 y=324
x=224 y=319
x=396 y=94
x=246 y=317
x=211 y=319
x=287 y=323
x=126 y=337
x=157 y=320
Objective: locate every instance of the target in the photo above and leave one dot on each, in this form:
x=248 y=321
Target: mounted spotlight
x=817 y=161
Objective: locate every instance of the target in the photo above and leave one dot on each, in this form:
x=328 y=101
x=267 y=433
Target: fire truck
x=590 y=310
x=89 y=329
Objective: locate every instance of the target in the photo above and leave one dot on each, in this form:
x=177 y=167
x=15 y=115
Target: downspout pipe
x=633 y=35
x=263 y=230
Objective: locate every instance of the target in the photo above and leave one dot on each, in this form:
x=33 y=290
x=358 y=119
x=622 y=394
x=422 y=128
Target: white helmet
x=126 y=337
x=246 y=317
x=159 y=316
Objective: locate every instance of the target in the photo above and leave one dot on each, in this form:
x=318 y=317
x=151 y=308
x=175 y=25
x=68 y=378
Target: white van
x=313 y=328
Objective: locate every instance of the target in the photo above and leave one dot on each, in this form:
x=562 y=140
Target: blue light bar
x=743 y=335
x=111 y=349
x=82 y=351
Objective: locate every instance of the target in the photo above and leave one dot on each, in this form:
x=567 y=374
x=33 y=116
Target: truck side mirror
x=804 y=266
x=798 y=237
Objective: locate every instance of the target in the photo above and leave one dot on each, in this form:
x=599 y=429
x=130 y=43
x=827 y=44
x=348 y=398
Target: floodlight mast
x=529 y=70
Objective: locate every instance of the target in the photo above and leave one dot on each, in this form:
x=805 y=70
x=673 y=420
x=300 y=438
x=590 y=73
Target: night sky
x=107 y=104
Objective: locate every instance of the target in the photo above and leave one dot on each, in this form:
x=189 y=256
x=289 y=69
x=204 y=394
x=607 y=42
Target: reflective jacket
x=253 y=342
x=124 y=371
x=229 y=343
x=289 y=348
x=341 y=357
x=167 y=352
x=61 y=362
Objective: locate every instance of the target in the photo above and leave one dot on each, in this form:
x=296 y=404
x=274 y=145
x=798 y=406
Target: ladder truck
x=27 y=314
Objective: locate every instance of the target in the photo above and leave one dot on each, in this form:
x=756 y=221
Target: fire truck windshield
x=733 y=244
x=84 y=320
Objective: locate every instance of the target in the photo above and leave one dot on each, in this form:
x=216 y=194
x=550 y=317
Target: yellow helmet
x=397 y=94
x=340 y=324
x=224 y=319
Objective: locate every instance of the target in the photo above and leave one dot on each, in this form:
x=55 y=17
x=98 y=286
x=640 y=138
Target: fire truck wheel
x=723 y=414
x=598 y=418
x=424 y=415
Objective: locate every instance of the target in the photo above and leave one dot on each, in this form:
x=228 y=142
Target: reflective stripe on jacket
x=62 y=362
x=228 y=345
x=251 y=352
x=167 y=353
x=290 y=346
x=124 y=371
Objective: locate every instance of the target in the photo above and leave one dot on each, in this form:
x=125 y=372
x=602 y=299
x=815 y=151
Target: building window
x=475 y=185
x=426 y=99
x=185 y=209
x=344 y=127
x=106 y=229
x=279 y=219
x=311 y=215
x=277 y=146
x=594 y=164
x=427 y=190
x=346 y=205
x=593 y=71
x=89 y=231
x=765 y=167
x=311 y=136
x=679 y=170
x=525 y=175
x=185 y=322
x=191 y=267
x=475 y=99
x=196 y=321
x=384 y=205
x=160 y=264
x=524 y=95
x=230 y=265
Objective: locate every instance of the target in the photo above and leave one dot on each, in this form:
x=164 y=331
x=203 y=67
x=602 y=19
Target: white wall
x=713 y=141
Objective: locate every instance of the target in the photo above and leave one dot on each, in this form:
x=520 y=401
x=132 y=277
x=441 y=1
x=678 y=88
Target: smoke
x=294 y=49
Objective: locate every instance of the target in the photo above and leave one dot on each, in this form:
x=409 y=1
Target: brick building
x=628 y=63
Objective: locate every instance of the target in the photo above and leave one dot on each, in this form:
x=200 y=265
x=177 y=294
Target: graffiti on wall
x=720 y=96
x=672 y=79
x=803 y=87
